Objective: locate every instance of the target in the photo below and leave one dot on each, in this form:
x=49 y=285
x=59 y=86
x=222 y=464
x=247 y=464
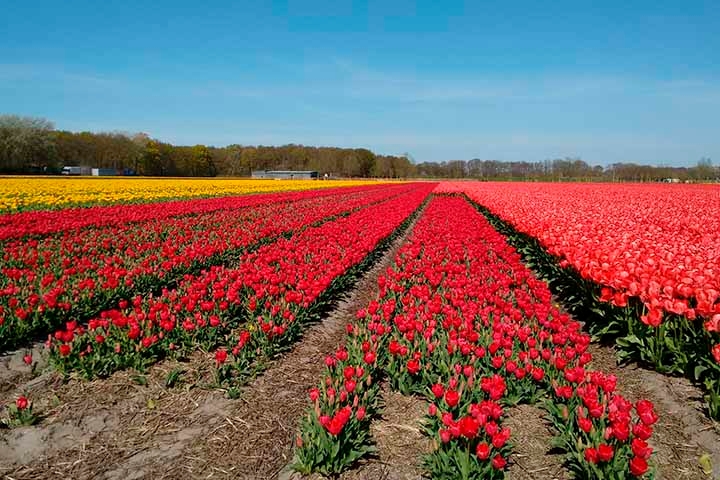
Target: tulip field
x=641 y=262
x=18 y=194
x=76 y=273
x=493 y=296
x=465 y=324
x=257 y=300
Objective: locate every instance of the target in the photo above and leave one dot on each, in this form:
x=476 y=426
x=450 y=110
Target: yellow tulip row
x=39 y=193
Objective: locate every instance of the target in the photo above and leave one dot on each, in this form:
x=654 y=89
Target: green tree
x=150 y=161
x=202 y=162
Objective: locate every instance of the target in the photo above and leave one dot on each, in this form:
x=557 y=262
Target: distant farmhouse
x=286 y=174
x=75 y=171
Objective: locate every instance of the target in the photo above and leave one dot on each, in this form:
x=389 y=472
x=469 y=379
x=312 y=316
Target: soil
x=14 y=371
x=532 y=457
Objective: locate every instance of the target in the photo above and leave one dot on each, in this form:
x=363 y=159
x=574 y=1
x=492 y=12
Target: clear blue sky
x=607 y=81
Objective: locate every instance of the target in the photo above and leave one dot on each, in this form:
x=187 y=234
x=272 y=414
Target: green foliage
x=20 y=413
x=174 y=377
x=31 y=145
x=457 y=461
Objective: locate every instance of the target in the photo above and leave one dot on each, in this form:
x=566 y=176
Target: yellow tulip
x=38 y=193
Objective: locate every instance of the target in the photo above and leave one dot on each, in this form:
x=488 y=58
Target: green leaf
x=174 y=377
x=699 y=370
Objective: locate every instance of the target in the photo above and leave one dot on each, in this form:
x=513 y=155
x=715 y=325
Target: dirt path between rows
x=532 y=457
x=133 y=426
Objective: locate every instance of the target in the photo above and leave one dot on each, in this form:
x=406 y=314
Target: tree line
x=33 y=146
x=567 y=169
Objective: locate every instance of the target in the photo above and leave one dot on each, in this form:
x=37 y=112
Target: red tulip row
x=461 y=321
x=641 y=263
x=44 y=222
x=260 y=298
x=75 y=274
x=660 y=243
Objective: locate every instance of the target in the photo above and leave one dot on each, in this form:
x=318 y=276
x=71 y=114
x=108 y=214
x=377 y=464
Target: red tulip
x=716 y=353
x=605 y=452
x=482 y=451
x=452 y=398
x=585 y=424
x=646 y=412
x=468 y=427
x=22 y=403
x=591 y=455
x=314 y=394
x=641 y=449
x=360 y=413
x=498 y=462
x=413 y=367
x=642 y=431
x=438 y=390
x=221 y=356
x=638 y=466
x=369 y=358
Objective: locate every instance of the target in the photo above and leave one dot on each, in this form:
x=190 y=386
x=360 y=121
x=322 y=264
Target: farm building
x=96 y=172
x=286 y=174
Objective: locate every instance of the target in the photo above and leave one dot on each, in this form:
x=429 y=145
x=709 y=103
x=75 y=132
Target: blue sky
x=607 y=81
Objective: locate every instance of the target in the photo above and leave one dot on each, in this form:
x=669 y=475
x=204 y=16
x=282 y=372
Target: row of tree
x=567 y=169
x=32 y=145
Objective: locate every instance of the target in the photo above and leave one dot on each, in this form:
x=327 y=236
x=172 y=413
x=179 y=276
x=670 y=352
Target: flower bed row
x=462 y=322
x=43 y=222
x=78 y=273
x=670 y=343
x=260 y=300
x=659 y=243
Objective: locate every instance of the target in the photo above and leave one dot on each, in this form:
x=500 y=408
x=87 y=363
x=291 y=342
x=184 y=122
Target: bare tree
x=25 y=143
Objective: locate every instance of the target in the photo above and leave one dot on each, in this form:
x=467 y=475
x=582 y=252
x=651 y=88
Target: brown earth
x=532 y=457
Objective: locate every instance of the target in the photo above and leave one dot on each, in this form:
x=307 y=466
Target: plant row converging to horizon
x=460 y=319
x=464 y=324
